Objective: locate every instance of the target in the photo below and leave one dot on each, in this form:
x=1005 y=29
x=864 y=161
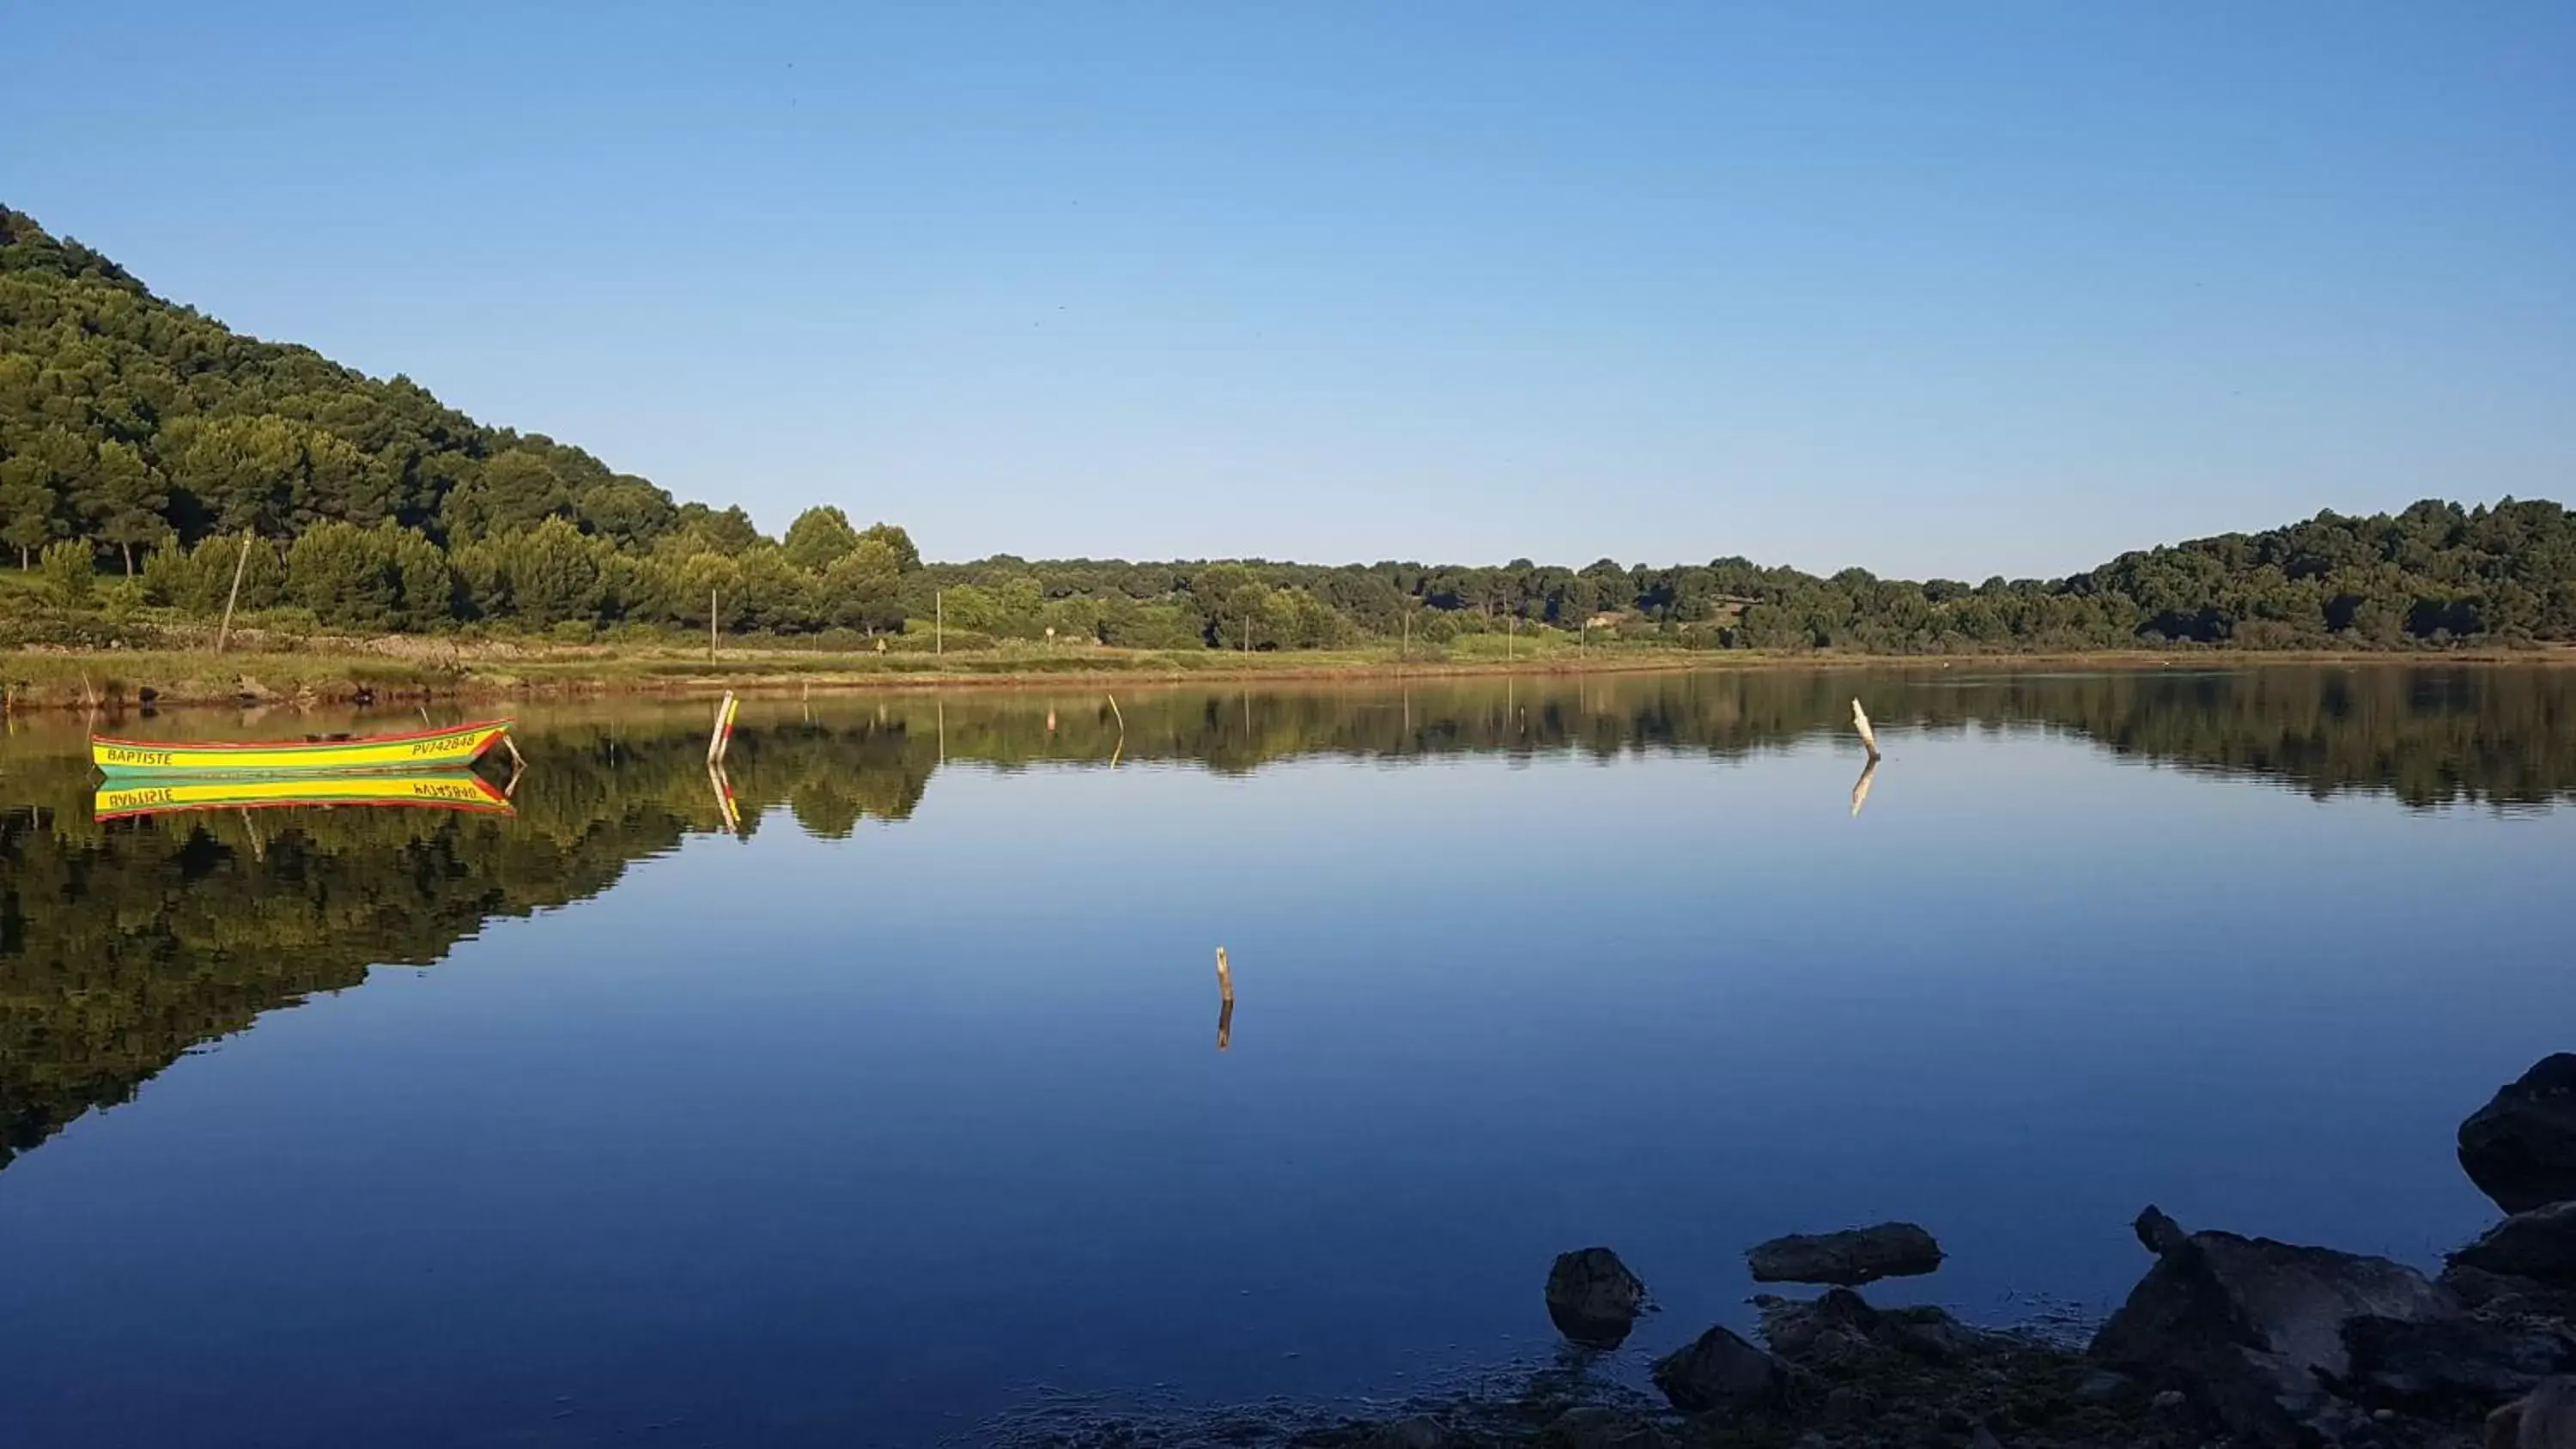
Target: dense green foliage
x=124 y=944
x=143 y=436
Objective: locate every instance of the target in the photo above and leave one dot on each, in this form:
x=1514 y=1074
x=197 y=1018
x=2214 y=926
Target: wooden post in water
x=234 y=597
x=1868 y=736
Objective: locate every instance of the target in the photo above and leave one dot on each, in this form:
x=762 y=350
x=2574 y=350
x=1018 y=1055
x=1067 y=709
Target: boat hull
x=438 y=749
x=130 y=796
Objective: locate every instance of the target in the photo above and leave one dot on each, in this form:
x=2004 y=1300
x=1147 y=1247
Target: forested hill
x=142 y=440
x=125 y=419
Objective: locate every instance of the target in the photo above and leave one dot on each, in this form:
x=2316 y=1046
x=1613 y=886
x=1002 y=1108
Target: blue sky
x=1934 y=289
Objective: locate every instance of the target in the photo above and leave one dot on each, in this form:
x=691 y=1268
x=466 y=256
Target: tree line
x=150 y=456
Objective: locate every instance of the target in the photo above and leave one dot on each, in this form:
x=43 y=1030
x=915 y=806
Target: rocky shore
x=2226 y=1340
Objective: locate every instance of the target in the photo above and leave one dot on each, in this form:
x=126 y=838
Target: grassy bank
x=55 y=678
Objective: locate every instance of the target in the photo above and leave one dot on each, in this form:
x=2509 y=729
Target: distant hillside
x=140 y=436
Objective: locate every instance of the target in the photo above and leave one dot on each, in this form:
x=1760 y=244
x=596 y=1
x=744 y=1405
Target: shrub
x=70 y=570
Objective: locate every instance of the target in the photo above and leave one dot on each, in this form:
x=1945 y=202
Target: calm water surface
x=864 y=1118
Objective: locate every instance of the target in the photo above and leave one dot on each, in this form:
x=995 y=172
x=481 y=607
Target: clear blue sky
x=1958 y=289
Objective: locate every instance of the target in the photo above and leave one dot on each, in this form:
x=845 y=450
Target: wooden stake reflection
x=724 y=797
x=1225 y=998
x=1860 y=788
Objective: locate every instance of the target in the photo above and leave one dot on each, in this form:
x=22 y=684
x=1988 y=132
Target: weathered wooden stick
x=1224 y=978
x=234 y=597
x=1225 y=1024
x=1868 y=736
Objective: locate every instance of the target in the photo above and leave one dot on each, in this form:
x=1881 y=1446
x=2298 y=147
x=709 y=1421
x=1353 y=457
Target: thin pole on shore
x=939 y=623
x=711 y=629
x=239 y=564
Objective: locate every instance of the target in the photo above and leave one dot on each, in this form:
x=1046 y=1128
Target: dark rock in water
x=2254 y=1329
x=1592 y=1298
x=2520 y=1149
x=1848 y=1258
x=1816 y=1327
x=1840 y=1328
x=1930 y=1333
x=2539 y=1245
x=1719 y=1370
x=1604 y=1428
x=2447 y=1364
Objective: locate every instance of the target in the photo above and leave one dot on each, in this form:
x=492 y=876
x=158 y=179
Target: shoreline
x=44 y=679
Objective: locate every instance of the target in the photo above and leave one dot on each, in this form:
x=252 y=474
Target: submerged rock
x=1848 y=1258
x=2520 y=1148
x=1719 y=1370
x=2539 y=1245
x=2252 y=1328
x=1592 y=1298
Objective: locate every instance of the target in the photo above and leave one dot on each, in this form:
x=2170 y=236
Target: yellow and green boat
x=452 y=748
x=128 y=797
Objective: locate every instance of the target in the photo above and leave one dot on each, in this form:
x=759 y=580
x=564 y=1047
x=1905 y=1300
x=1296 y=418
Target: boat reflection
x=132 y=797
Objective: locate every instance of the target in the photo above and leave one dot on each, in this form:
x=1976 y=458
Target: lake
x=897 y=1094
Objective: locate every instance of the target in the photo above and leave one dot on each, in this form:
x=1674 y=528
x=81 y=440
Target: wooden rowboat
x=130 y=796
x=452 y=748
